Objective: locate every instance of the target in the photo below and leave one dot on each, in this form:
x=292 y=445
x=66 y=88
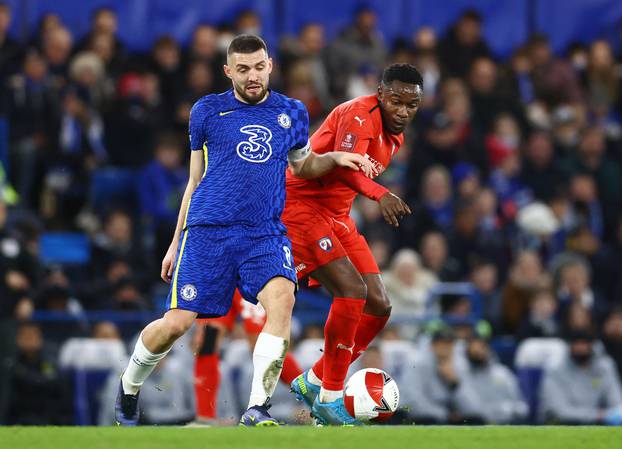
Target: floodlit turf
x=310 y=437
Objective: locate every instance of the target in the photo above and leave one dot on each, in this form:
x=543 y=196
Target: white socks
x=268 y=359
x=140 y=366
x=330 y=395
x=312 y=378
x=325 y=395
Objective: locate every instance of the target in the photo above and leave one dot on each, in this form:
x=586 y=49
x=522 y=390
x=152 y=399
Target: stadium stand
x=513 y=166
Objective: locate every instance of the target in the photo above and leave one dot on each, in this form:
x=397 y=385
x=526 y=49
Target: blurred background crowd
x=512 y=167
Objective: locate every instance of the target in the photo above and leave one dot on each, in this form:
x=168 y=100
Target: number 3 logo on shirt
x=257 y=148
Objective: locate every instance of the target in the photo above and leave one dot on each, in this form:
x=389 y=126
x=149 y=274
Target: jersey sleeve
x=301 y=147
x=360 y=183
x=196 y=125
x=354 y=131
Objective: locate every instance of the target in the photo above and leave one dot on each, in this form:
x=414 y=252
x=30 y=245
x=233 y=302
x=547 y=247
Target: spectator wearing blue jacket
x=161 y=185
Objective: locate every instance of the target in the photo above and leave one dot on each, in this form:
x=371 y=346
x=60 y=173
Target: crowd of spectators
x=512 y=168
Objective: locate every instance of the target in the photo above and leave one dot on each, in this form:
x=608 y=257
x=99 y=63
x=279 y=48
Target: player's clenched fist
x=354 y=161
x=167 y=264
x=393 y=208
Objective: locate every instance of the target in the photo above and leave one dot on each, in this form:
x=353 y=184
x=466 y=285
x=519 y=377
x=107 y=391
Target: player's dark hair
x=406 y=73
x=246 y=43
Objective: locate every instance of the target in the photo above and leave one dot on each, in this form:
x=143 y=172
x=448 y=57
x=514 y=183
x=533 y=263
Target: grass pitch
x=401 y=437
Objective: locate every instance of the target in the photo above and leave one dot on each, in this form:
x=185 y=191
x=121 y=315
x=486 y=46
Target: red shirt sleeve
x=357 y=181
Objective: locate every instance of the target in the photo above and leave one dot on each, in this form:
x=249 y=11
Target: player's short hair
x=246 y=43
x=406 y=73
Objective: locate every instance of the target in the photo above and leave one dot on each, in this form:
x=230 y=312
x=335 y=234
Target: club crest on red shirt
x=325 y=243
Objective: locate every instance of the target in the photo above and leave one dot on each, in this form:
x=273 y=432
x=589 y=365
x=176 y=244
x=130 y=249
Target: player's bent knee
x=177 y=329
x=277 y=296
x=280 y=304
x=286 y=301
x=352 y=290
x=378 y=305
x=177 y=325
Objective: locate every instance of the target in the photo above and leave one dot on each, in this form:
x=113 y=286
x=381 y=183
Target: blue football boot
x=333 y=414
x=126 y=409
x=304 y=390
x=258 y=416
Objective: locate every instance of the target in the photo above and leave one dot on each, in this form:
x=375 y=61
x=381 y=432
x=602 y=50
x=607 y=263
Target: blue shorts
x=213 y=260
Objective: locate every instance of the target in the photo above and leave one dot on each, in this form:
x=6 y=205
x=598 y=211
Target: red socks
x=291 y=369
x=368 y=328
x=207 y=381
x=339 y=332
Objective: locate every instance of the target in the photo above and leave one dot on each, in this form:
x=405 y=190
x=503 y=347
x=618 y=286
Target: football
x=371 y=395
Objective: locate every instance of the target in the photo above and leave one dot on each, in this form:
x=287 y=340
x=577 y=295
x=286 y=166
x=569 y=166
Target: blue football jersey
x=246 y=153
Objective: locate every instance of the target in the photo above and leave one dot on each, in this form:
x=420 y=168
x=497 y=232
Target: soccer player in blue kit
x=229 y=232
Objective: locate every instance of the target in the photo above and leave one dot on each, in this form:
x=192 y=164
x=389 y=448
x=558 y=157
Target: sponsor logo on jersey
x=300 y=267
x=325 y=243
x=360 y=120
x=348 y=142
x=257 y=148
x=188 y=292
x=378 y=167
x=225 y=113
x=284 y=120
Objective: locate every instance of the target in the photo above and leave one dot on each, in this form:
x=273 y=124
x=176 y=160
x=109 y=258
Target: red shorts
x=253 y=316
x=318 y=239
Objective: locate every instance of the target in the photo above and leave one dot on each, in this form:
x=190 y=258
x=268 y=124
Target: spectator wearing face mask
x=436 y=382
x=584 y=388
x=591 y=158
x=494 y=396
x=612 y=337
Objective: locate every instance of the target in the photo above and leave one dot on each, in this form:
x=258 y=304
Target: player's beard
x=251 y=99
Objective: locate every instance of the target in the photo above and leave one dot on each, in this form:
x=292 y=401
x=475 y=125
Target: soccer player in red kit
x=326 y=243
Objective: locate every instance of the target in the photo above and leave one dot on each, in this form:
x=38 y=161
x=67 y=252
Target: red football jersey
x=354 y=126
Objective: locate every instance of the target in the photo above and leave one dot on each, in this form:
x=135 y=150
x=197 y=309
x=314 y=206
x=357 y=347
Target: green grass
x=310 y=437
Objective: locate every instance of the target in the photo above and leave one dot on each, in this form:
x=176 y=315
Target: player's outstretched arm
x=393 y=208
x=316 y=165
x=196 y=173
